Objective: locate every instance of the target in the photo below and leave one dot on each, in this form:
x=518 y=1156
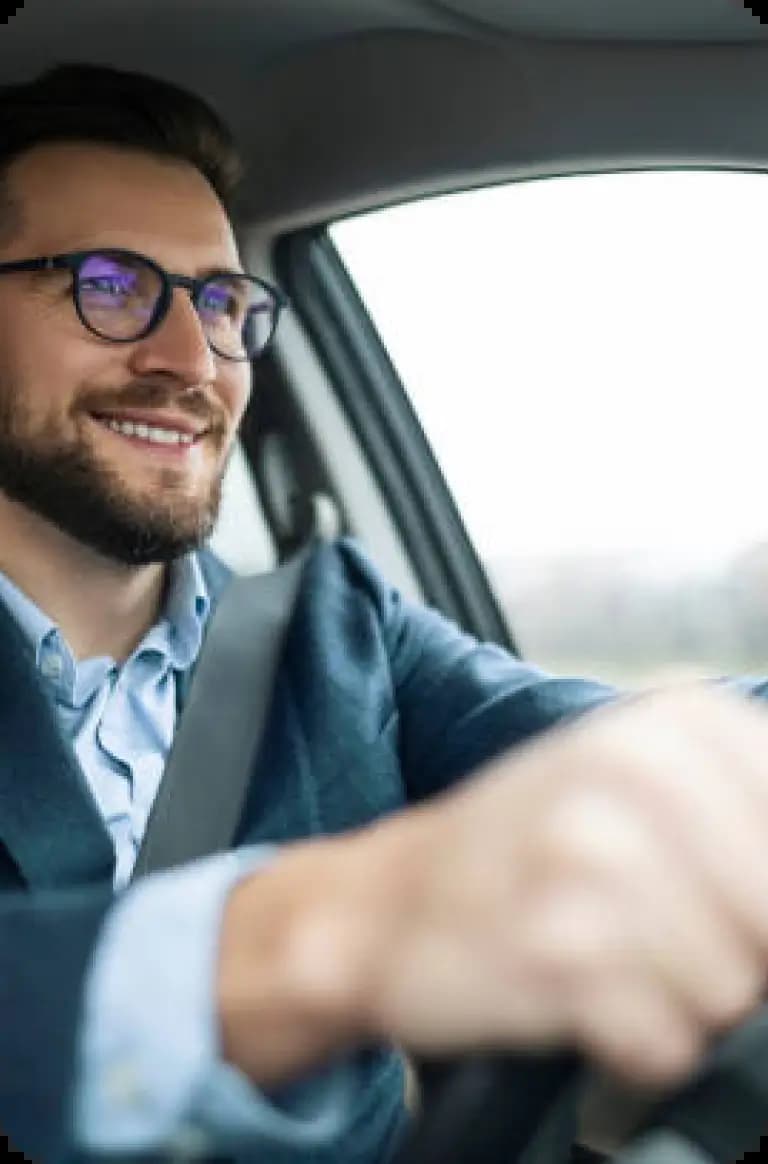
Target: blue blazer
x=377 y=703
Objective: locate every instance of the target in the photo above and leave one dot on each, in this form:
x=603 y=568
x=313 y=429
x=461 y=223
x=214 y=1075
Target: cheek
x=13 y=343
x=46 y=379
x=38 y=355
x=234 y=391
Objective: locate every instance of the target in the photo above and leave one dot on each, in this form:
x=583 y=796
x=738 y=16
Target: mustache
x=192 y=402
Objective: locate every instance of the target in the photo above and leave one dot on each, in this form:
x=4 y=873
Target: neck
x=102 y=607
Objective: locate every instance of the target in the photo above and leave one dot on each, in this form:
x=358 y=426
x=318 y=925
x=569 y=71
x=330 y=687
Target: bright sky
x=588 y=356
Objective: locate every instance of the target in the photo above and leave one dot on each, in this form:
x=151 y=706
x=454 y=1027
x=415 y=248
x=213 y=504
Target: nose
x=177 y=346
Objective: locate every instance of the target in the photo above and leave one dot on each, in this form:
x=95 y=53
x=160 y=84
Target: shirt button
x=52 y=665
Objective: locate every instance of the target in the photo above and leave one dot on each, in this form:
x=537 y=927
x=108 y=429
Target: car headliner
x=347 y=104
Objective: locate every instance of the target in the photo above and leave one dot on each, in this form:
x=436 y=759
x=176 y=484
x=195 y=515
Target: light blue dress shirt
x=120 y=719
x=150 y=1071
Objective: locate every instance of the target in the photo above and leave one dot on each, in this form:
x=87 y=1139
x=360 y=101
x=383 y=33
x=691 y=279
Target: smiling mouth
x=154 y=436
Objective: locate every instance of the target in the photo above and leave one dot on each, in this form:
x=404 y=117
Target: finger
x=640 y=1033
x=621 y=902
x=702 y=791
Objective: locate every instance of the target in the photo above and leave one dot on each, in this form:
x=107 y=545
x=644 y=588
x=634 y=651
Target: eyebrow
x=211 y=272
x=203 y=273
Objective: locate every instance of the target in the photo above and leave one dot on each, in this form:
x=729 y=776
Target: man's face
x=61 y=386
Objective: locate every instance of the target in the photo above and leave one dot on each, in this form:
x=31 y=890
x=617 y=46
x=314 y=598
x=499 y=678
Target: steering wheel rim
x=491 y=1109
x=721 y=1110
x=474 y=1108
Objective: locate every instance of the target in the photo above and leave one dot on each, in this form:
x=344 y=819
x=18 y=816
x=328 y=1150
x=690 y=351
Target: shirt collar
x=186 y=611
x=35 y=623
x=178 y=632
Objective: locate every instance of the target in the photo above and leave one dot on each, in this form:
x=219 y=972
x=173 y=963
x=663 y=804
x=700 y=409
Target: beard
x=65 y=482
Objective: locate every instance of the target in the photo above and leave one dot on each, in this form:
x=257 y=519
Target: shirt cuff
x=150 y=1074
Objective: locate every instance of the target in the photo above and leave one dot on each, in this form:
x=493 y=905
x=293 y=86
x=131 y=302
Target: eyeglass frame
x=73 y=262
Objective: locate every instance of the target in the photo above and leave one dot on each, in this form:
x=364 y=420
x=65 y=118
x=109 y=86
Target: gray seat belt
x=202 y=794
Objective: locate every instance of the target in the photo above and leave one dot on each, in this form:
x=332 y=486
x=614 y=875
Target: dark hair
x=92 y=103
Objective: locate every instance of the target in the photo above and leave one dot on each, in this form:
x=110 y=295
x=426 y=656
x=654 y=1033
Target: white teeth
x=145 y=432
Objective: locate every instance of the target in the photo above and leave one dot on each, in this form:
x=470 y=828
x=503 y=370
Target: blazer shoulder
x=344 y=565
x=344 y=589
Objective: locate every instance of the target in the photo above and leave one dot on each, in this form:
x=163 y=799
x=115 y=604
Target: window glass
x=587 y=357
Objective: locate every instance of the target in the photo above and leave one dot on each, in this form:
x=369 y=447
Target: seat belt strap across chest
x=202 y=794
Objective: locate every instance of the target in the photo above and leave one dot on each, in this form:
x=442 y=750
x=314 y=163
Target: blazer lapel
x=49 y=822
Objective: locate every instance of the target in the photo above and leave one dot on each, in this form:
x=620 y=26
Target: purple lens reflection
x=238 y=315
x=117 y=295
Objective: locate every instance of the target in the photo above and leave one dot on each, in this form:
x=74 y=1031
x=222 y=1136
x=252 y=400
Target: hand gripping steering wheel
x=521 y=1109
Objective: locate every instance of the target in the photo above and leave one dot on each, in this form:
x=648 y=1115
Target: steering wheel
x=501 y=1109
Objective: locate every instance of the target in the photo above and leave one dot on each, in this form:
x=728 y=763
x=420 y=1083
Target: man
x=602 y=886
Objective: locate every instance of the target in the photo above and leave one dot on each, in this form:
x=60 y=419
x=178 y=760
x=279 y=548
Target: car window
x=242 y=537
x=587 y=358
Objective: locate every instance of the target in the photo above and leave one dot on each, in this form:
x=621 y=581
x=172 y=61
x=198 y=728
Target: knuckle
x=621 y=760
x=570 y=940
x=732 y=994
x=595 y=836
x=569 y=833
x=643 y=1038
x=663 y=1062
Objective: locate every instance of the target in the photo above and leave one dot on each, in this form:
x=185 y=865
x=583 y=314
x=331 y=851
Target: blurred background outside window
x=587 y=356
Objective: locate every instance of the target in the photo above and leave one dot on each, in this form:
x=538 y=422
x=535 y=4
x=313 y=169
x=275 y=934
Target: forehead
x=74 y=196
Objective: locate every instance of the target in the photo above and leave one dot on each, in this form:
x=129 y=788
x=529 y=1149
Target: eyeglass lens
x=118 y=298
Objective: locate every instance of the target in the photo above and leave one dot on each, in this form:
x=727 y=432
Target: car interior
x=343 y=107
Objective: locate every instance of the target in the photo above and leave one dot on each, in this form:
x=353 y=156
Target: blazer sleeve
x=45 y=945
x=459 y=702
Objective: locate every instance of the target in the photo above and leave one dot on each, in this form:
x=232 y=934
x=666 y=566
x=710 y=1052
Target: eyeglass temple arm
x=49 y=263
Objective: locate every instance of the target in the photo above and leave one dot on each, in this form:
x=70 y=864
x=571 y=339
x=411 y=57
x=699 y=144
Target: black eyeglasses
x=123 y=296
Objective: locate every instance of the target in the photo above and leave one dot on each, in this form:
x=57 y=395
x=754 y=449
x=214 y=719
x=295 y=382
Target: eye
x=112 y=286
x=218 y=299
x=107 y=281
